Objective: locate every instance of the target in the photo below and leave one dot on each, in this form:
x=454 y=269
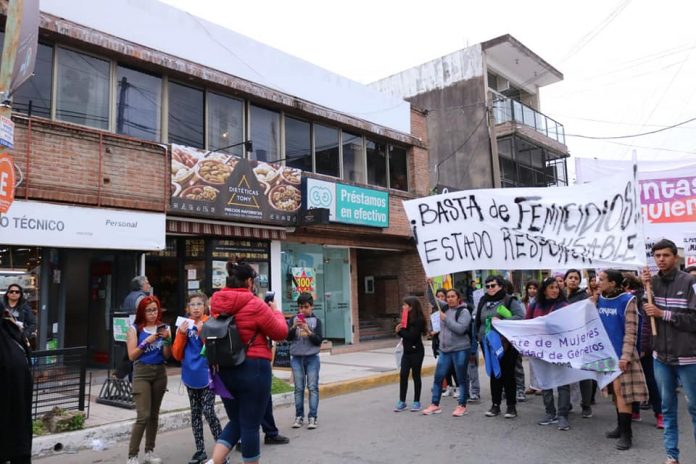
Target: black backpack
x=223 y=345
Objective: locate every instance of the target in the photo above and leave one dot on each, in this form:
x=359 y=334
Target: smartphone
x=300 y=317
x=270 y=296
x=161 y=327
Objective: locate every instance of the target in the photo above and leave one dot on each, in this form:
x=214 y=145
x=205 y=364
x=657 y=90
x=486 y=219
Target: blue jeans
x=666 y=377
x=305 y=370
x=460 y=361
x=250 y=385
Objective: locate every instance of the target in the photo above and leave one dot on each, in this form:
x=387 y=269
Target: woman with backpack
x=414 y=352
x=455 y=343
x=496 y=303
x=250 y=382
x=194 y=373
x=149 y=345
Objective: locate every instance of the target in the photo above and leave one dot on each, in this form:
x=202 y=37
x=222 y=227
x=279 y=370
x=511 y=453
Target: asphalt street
x=362 y=428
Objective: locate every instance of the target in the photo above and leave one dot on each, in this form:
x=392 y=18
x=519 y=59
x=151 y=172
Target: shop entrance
x=379 y=293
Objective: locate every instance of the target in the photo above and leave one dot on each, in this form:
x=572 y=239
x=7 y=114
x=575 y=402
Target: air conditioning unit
x=503 y=84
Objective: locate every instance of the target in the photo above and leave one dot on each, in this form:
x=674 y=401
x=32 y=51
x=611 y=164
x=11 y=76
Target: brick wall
x=61 y=162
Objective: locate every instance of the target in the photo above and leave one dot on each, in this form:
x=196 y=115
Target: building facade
x=211 y=142
x=485 y=123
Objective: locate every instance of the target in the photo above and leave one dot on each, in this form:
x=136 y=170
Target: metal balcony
x=508 y=110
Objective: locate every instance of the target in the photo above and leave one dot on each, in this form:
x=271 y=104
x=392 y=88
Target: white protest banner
x=589 y=225
x=667 y=192
x=689 y=249
x=567 y=345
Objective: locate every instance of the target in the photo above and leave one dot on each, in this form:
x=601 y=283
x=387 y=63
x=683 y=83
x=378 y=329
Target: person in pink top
x=250 y=382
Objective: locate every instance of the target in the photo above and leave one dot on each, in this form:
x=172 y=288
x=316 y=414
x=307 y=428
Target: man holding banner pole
x=674 y=310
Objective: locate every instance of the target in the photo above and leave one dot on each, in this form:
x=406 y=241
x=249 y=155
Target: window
x=34 y=96
x=82 y=95
x=186 y=116
x=376 y=163
x=353 y=158
x=398 y=178
x=265 y=134
x=138 y=104
x=225 y=123
x=326 y=150
x=298 y=144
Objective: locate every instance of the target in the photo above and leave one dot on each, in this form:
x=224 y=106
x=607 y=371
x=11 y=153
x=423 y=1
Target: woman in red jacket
x=250 y=382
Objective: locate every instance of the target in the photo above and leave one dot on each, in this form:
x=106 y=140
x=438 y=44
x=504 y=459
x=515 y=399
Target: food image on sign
x=226 y=186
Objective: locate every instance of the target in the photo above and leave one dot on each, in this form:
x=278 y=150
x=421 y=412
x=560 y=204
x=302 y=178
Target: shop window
x=225 y=124
x=265 y=134
x=298 y=144
x=398 y=178
x=353 y=158
x=82 y=95
x=376 y=163
x=186 y=115
x=326 y=150
x=138 y=104
x=34 y=96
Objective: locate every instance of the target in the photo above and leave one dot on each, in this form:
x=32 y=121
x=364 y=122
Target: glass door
x=337 y=294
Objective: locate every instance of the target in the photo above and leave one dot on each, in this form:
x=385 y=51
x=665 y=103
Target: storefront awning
x=223 y=230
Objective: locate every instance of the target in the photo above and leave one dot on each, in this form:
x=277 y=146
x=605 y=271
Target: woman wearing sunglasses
x=17 y=305
x=496 y=303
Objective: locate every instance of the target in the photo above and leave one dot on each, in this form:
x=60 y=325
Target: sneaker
x=635 y=417
x=416 y=406
x=510 y=412
x=563 y=423
x=660 y=421
x=299 y=422
x=548 y=419
x=400 y=406
x=494 y=411
x=312 y=423
x=151 y=458
x=531 y=391
x=455 y=392
x=460 y=411
x=133 y=460
x=432 y=409
x=448 y=391
x=586 y=412
x=521 y=397
x=474 y=398
x=198 y=457
x=671 y=460
x=276 y=440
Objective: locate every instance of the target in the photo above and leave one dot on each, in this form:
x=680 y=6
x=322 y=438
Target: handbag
x=398 y=353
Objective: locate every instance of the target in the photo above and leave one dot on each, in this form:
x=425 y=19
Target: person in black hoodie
x=15 y=393
x=414 y=352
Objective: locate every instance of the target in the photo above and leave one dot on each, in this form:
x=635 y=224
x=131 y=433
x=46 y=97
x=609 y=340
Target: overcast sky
x=629 y=66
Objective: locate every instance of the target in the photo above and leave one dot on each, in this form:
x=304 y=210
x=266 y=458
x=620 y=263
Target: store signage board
x=6 y=132
x=35 y=223
x=349 y=204
x=7 y=182
x=222 y=186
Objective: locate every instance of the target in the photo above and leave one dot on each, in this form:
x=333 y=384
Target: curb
x=106 y=435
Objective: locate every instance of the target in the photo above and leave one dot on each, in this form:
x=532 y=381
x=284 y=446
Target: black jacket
x=676 y=332
x=412 y=336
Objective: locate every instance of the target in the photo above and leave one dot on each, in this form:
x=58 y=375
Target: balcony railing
x=506 y=110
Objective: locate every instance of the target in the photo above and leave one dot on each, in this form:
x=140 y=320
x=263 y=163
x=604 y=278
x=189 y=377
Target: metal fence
x=60 y=379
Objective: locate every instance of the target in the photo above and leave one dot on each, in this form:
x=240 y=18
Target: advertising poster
x=228 y=187
x=303 y=280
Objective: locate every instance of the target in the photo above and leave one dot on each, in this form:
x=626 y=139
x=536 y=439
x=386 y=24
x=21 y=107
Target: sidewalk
x=340 y=374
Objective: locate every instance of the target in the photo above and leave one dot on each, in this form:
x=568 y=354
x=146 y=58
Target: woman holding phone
x=149 y=345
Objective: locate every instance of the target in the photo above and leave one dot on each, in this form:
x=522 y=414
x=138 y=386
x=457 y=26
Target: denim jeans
x=305 y=371
x=474 y=383
x=666 y=377
x=563 y=401
x=250 y=385
x=460 y=361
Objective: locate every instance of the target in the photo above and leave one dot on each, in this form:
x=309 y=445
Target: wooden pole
x=653 y=325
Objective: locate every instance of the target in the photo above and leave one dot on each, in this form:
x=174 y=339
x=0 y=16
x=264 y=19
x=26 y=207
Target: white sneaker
x=151 y=458
x=448 y=391
x=133 y=460
x=312 y=423
x=455 y=393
